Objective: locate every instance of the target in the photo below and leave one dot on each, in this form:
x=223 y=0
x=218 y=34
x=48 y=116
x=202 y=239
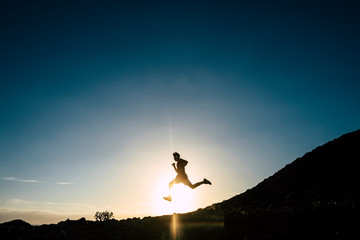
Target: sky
x=95 y=97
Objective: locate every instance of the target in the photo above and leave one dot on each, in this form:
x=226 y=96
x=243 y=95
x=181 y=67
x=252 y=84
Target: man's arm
x=174 y=167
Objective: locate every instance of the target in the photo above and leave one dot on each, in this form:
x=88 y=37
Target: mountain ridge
x=321 y=167
x=315 y=196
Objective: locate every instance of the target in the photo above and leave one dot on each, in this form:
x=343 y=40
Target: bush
x=103 y=216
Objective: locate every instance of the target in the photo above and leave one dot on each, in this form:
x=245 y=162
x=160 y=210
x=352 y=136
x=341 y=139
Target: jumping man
x=181 y=176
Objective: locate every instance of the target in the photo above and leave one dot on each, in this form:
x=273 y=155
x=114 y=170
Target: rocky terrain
x=316 y=196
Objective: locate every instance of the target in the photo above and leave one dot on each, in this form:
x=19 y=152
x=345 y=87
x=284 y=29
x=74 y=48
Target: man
x=181 y=176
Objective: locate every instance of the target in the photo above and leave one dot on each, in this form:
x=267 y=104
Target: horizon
x=97 y=96
x=37 y=218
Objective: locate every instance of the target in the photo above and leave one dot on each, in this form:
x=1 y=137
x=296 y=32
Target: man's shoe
x=168 y=198
x=206 y=181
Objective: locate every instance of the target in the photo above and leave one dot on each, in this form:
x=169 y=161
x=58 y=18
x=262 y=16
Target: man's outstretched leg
x=192 y=186
x=168 y=198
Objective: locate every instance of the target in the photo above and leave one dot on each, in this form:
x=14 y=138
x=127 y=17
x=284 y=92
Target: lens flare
x=182 y=198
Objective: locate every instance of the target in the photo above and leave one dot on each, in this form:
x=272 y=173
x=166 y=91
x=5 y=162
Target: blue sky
x=96 y=95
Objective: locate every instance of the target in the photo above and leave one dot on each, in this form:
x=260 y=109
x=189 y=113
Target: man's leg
x=168 y=198
x=192 y=186
x=171 y=183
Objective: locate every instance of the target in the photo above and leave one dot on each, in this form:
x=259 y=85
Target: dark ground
x=315 y=197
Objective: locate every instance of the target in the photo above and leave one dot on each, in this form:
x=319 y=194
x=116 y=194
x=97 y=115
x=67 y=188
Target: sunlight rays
x=182 y=198
x=171 y=135
x=174 y=226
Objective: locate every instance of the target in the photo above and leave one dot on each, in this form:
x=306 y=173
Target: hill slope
x=329 y=172
x=315 y=197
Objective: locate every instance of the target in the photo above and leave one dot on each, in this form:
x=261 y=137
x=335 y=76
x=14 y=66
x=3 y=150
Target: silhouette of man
x=181 y=176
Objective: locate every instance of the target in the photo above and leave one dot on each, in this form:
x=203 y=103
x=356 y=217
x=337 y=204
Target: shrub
x=103 y=216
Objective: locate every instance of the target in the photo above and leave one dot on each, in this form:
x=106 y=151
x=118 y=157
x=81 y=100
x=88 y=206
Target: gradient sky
x=96 y=95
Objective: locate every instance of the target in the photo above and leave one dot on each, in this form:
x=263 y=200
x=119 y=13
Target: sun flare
x=182 y=198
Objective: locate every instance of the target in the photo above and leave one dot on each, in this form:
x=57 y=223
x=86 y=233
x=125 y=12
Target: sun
x=182 y=198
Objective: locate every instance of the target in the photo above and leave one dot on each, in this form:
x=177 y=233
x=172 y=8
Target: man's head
x=176 y=156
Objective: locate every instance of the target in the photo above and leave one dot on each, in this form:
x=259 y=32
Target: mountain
x=316 y=196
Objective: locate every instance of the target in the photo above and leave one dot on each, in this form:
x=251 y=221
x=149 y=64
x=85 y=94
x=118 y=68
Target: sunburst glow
x=182 y=198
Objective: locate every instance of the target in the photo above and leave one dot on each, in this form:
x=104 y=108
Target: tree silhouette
x=103 y=216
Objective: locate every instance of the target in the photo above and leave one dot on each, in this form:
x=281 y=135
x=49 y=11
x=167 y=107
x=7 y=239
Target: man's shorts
x=182 y=178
